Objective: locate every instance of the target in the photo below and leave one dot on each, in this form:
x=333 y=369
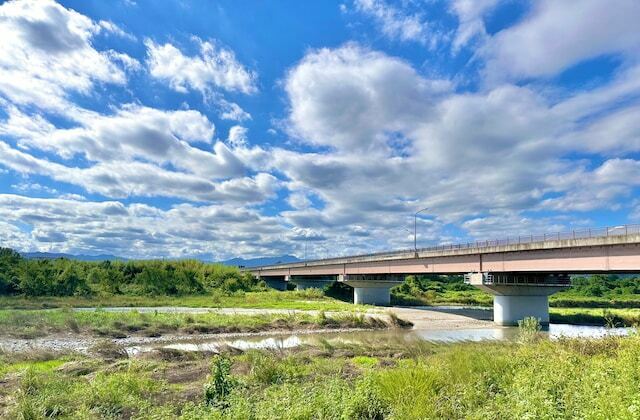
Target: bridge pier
x=519 y=295
x=371 y=289
x=311 y=282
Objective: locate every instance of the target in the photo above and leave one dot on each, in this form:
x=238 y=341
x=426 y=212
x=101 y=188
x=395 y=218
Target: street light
x=415 y=229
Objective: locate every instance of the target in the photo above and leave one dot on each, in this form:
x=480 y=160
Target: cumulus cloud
x=46 y=53
x=133 y=133
x=354 y=98
x=212 y=68
x=120 y=179
x=558 y=34
x=485 y=156
x=138 y=230
x=377 y=138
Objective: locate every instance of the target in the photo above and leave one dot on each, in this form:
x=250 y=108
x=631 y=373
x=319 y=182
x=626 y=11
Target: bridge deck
x=605 y=250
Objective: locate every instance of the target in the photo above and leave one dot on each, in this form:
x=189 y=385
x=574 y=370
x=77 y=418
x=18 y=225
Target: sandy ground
x=424 y=319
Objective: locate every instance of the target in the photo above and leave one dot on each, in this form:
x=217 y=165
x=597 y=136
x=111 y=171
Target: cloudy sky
x=214 y=129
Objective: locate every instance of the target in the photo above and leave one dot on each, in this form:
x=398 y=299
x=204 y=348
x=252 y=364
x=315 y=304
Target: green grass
x=37 y=323
x=537 y=378
x=35 y=366
x=311 y=299
x=566 y=299
x=594 y=316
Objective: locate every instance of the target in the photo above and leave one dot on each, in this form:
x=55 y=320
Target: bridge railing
x=586 y=233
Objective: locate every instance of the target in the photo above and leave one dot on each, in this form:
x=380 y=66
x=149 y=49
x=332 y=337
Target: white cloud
x=46 y=53
x=559 y=34
x=354 y=98
x=397 y=24
x=212 y=68
x=121 y=179
x=586 y=190
x=614 y=134
x=138 y=230
x=299 y=200
x=112 y=28
x=232 y=111
x=485 y=156
x=133 y=133
x=470 y=15
x=237 y=136
x=33 y=187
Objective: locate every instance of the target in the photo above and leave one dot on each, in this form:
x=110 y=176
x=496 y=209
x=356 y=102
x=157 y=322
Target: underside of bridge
x=371 y=289
x=308 y=282
x=515 y=295
x=368 y=289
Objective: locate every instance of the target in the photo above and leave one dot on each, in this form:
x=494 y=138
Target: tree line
x=65 y=277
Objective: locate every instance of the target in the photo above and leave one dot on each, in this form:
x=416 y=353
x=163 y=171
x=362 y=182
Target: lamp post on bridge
x=415 y=229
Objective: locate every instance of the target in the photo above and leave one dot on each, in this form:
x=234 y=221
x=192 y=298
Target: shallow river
x=438 y=336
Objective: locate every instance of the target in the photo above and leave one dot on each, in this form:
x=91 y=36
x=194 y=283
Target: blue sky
x=217 y=129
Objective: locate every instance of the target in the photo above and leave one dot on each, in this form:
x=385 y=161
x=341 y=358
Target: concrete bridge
x=520 y=272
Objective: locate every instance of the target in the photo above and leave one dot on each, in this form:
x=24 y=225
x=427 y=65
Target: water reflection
x=554 y=331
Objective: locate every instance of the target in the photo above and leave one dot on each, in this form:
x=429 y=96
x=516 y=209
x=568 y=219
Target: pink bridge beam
x=610 y=254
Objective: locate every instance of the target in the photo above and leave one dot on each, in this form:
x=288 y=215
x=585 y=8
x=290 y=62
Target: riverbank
x=395 y=379
x=119 y=324
x=311 y=299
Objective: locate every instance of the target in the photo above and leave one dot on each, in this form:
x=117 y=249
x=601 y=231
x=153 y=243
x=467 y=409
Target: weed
x=109 y=350
x=221 y=383
x=529 y=329
x=399 y=322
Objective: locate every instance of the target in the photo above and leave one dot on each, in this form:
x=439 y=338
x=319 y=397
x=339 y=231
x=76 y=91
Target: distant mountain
x=257 y=262
x=251 y=262
x=54 y=255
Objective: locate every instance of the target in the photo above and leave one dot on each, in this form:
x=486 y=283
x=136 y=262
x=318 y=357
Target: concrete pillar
x=372 y=296
x=371 y=289
x=519 y=295
x=508 y=310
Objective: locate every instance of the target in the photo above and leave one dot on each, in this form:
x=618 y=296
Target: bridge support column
x=509 y=309
x=519 y=295
x=311 y=282
x=371 y=289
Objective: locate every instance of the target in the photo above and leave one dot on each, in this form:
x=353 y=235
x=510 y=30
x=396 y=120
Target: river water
x=283 y=341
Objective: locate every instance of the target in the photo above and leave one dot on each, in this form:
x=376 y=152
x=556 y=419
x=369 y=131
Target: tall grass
x=569 y=378
x=39 y=323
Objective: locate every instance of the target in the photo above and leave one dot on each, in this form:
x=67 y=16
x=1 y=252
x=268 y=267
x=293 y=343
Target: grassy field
x=558 y=300
x=311 y=299
x=41 y=323
x=536 y=378
x=594 y=316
